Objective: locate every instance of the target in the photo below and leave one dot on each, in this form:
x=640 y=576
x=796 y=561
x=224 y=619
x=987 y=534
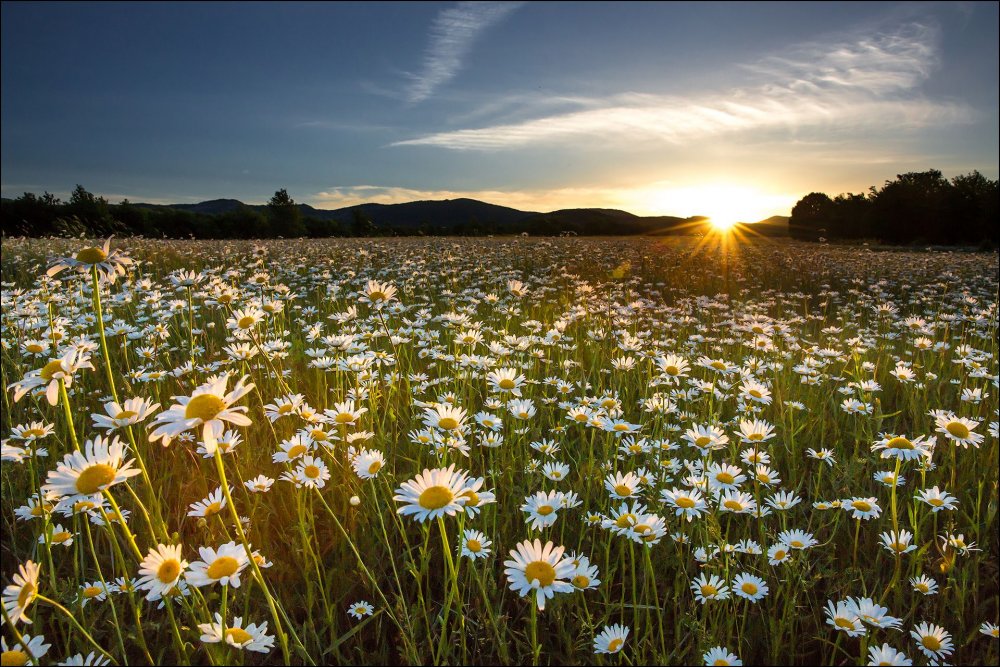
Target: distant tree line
x=917 y=208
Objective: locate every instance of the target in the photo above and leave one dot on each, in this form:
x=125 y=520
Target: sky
x=722 y=109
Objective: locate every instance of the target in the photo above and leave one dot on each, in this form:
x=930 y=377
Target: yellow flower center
x=238 y=635
x=93 y=478
x=580 y=581
x=311 y=471
x=50 y=369
x=861 y=506
x=958 y=429
x=435 y=497
x=725 y=478
x=899 y=443
x=936 y=502
x=931 y=643
x=672 y=370
x=344 y=418
x=545 y=510
x=296 y=450
x=625 y=520
x=61 y=536
x=13 y=657
x=285 y=409
x=540 y=570
x=702 y=441
x=34 y=348
x=922 y=587
x=749 y=588
x=580 y=417
x=763 y=478
x=223 y=566
x=755 y=437
x=374 y=467
x=708 y=589
x=91 y=256
x=622 y=427
x=623 y=490
x=615 y=644
x=733 y=505
x=718 y=365
x=507 y=383
x=721 y=662
x=472 y=498
x=448 y=423
x=779 y=555
x=844 y=623
x=246 y=322
x=204 y=407
x=685 y=502
x=798 y=544
x=92 y=591
x=377 y=296
x=318 y=434
x=26 y=595
x=213 y=508
x=168 y=571
x=756 y=393
x=33 y=433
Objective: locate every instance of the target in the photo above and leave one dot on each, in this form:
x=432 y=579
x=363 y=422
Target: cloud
x=453 y=33
x=866 y=81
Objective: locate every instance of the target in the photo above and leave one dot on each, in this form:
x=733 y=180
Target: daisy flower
x=887 y=655
x=209 y=406
x=345 y=413
x=932 y=640
x=924 y=585
x=94 y=591
x=360 y=609
x=622 y=486
x=709 y=587
x=475 y=497
x=824 y=454
x=160 y=570
x=862 y=508
x=903 y=448
x=937 y=499
x=92 y=659
x=222 y=566
x=749 y=587
x=131 y=412
x=688 y=504
x=540 y=569
x=719 y=655
x=445 y=417
x=209 y=506
x=990 y=629
x=432 y=494
x=368 y=463
x=756 y=431
x=542 y=509
x=86 y=474
x=584 y=577
x=611 y=639
x=250 y=638
x=311 y=472
x=844 y=618
x=108 y=263
x=50 y=374
x=506 y=380
x=18 y=596
x=797 y=539
x=959 y=430
x=27 y=653
x=475 y=545
x=897 y=543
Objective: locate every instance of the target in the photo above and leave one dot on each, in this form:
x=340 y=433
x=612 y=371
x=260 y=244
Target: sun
x=722 y=224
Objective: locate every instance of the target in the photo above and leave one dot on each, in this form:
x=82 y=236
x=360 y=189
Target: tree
x=812 y=217
x=285 y=216
x=913 y=208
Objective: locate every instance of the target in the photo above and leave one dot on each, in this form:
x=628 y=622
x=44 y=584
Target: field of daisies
x=513 y=451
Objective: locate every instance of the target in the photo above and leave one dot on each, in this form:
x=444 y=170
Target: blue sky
x=675 y=108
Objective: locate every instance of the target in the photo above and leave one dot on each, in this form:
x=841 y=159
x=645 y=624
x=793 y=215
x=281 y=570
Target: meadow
x=498 y=451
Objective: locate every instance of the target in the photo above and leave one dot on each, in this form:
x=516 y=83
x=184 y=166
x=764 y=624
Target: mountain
x=470 y=215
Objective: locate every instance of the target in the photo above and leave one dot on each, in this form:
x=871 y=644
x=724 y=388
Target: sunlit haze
x=728 y=110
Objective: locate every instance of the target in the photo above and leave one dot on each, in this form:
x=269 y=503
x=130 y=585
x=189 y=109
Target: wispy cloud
x=453 y=33
x=868 y=80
